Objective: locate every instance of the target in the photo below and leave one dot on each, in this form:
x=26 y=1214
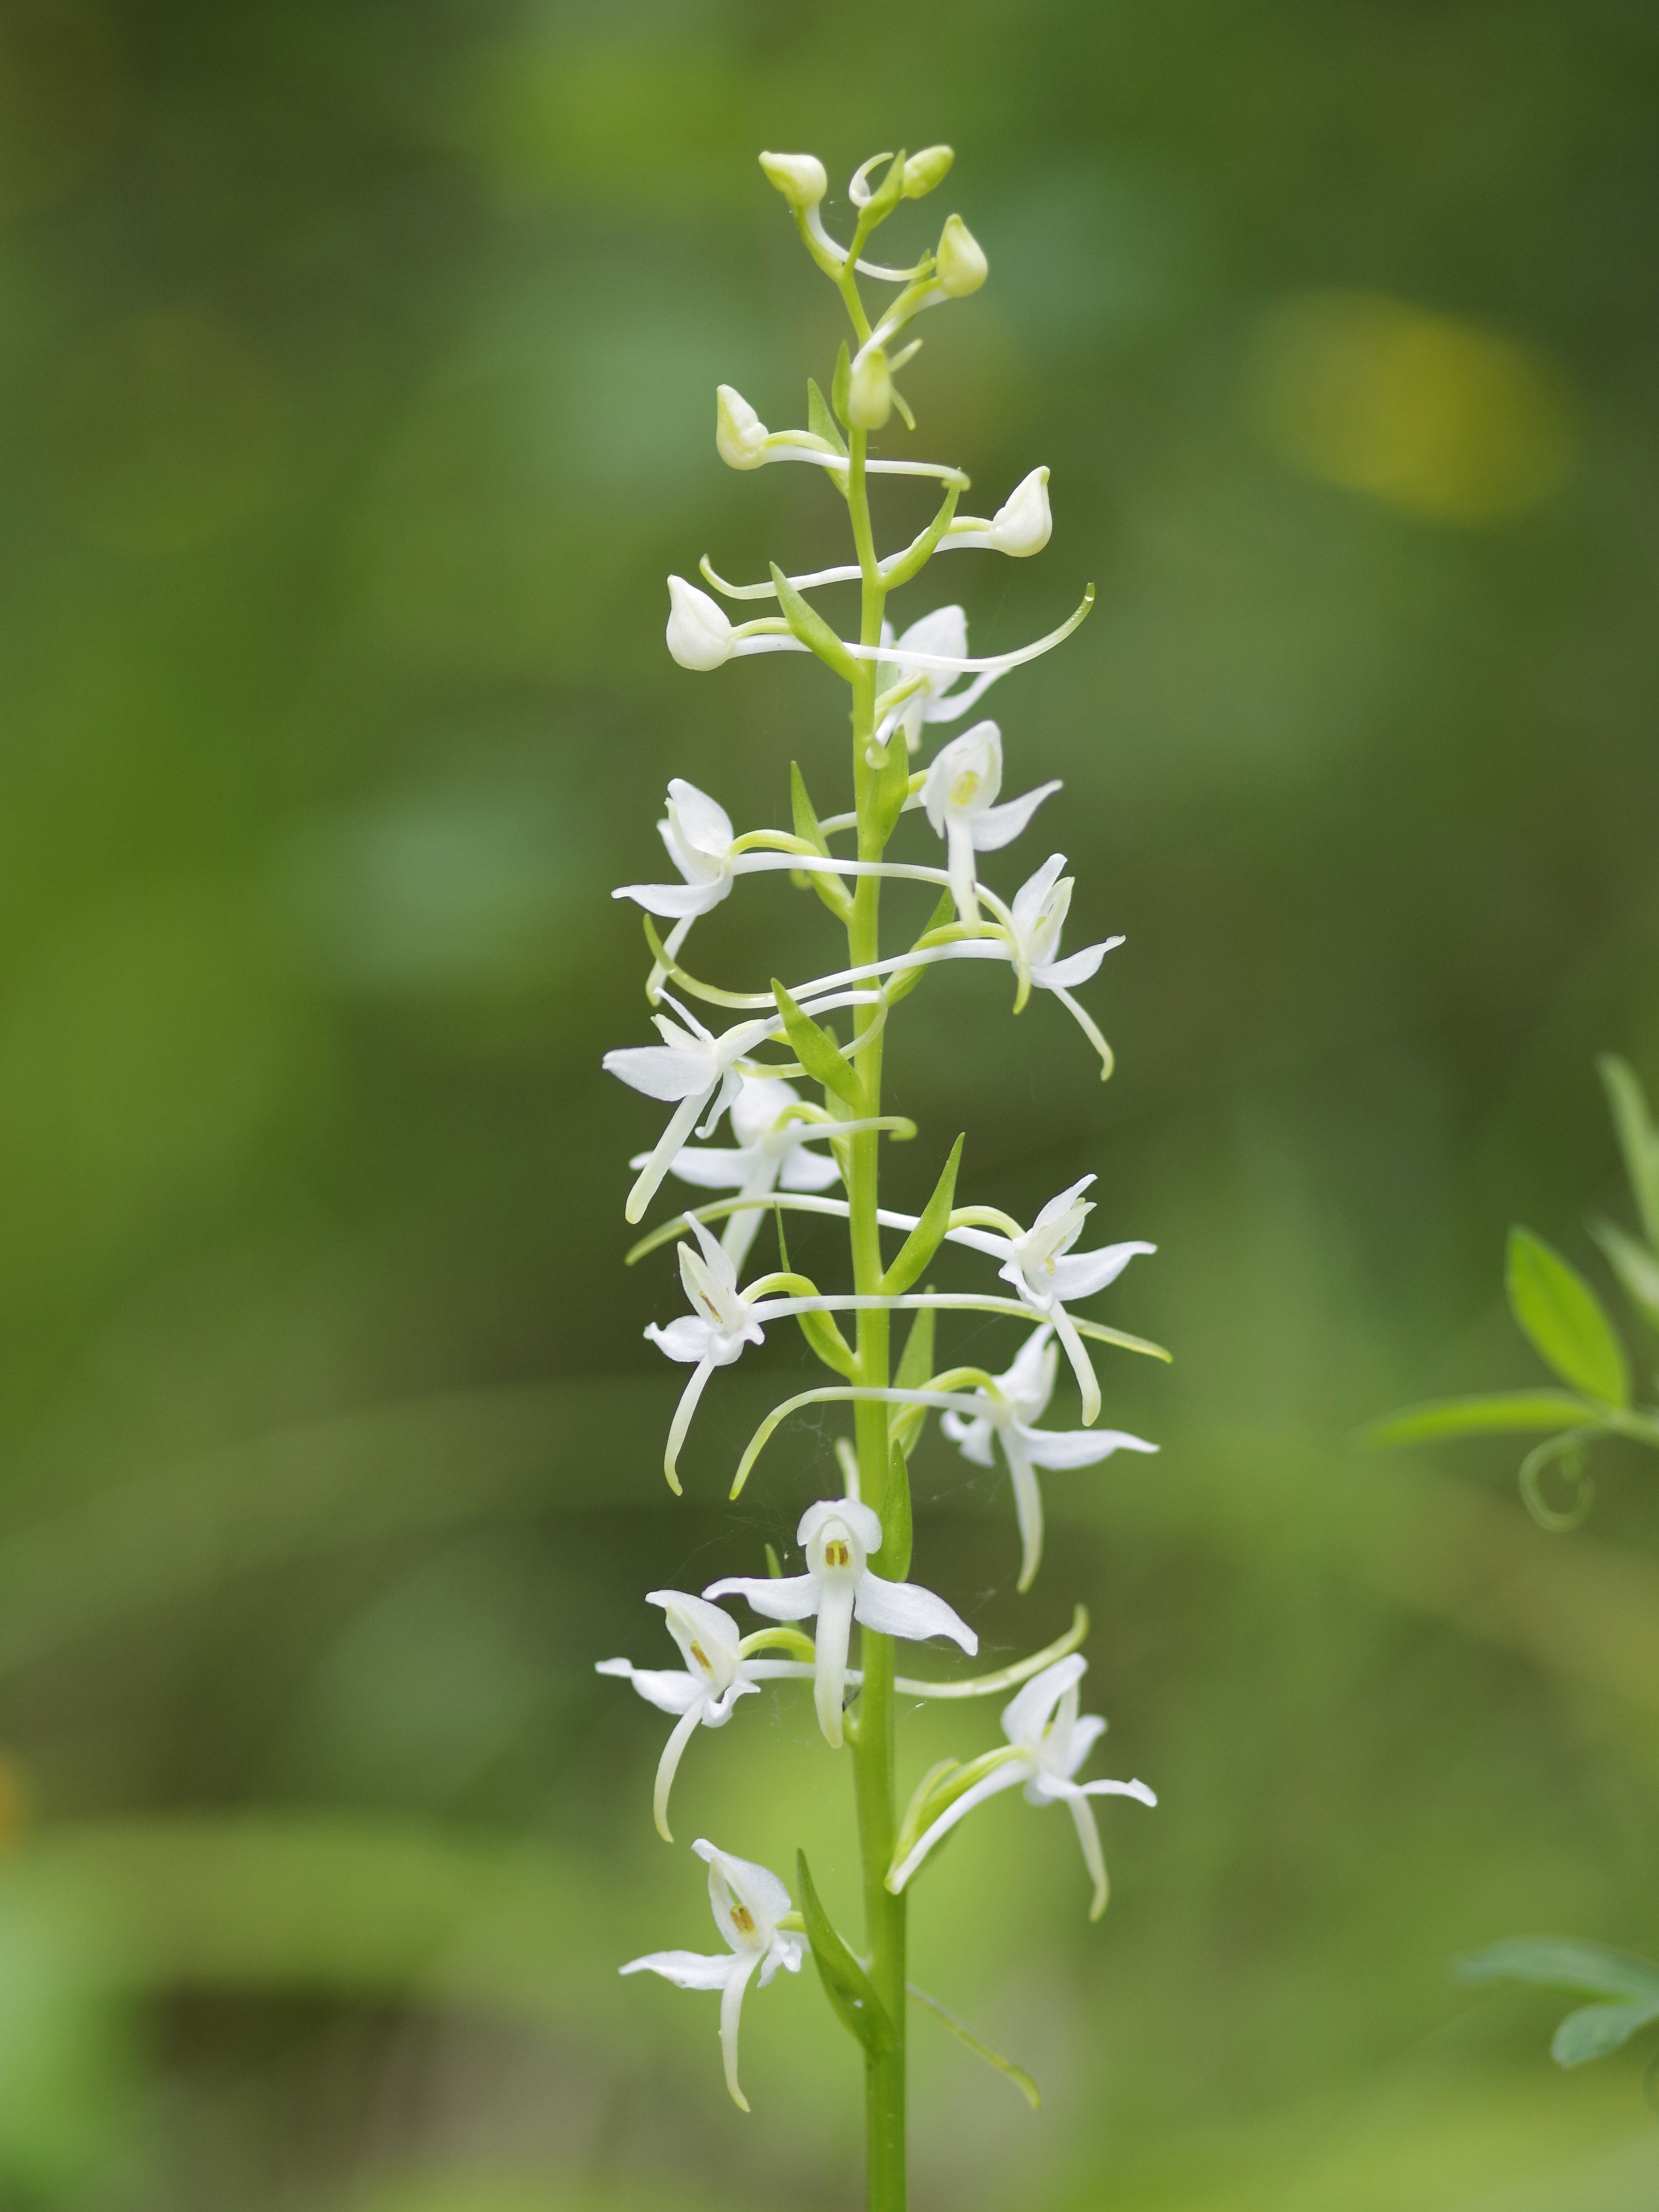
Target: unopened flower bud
x=961 y=266
x=699 y=635
x=1022 y=524
x=739 y=434
x=925 y=170
x=870 y=391
x=799 y=177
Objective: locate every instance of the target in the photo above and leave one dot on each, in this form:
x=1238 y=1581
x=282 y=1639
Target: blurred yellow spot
x=59 y=96
x=164 y=433
x=1428 y=413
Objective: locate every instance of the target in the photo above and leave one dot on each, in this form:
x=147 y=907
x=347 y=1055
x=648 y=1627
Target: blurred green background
x=356 y=397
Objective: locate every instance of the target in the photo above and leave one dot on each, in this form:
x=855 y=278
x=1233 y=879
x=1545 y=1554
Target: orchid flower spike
x=1045 y=1273
x=941 y=635
x=1038 y=914
x=690 y=1065
x=1047 y=1743
x=705 y=1694
x=960 y=797
x=838 y=1535
x=713 y=1334
x=772 y=1151
x=1009 y=1418
x=748 y=1902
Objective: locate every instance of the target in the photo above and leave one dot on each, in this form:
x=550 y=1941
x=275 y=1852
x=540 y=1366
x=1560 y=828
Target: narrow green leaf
x=1634 y=1265
x=848 y=1988
x=808 y=827
x=1638 y=1140
x=896 y=1535
x=916 y=1368
x=1564 y=1317
x=924 y=1240
x=832 y=1347
x=916 y=1361
x=810 y=627
x=774 y=1563
x=819 y=421
x=1556 y=1962
x=905 y=980
x=1597 y=2029
x=1504 y=1412
x=841 y=382
x=818 y=1052
x=1021 y=2080
x=804 y=813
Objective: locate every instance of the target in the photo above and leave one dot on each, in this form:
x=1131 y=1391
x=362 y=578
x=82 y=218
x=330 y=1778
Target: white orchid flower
x=699 y=835
x=1045 y=1272
x=748 y=1902
x=713 y=1334
x=772 y=1151
x=838 y=1535
x=1047 y=1744
x=691 y=1066
x=941 y=640
x=1009 y=1419
x=717 y=1673
x=960 y=799
x=1037 y=915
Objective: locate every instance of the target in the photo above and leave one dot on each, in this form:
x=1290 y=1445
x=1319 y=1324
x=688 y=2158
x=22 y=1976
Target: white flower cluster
x=817 y=1153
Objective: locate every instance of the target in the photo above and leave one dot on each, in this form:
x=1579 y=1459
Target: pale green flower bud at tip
x=870 y=391
x=961 y=266
x=1023 y=525
x=925 y=170
x=739 y=434
x=800 y=178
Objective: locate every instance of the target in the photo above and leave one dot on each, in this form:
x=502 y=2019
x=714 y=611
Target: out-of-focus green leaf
x=1634 y=1265
x=1564 y=1317
x=1556 y=1962
x=1509 y=1412
x=1596 y=2029
x=1638 y=1140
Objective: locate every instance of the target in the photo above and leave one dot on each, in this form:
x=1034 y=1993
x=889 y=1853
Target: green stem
x=872 y=1738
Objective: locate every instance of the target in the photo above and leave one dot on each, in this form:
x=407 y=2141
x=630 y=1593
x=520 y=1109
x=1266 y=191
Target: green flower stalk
x=818 y=1150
